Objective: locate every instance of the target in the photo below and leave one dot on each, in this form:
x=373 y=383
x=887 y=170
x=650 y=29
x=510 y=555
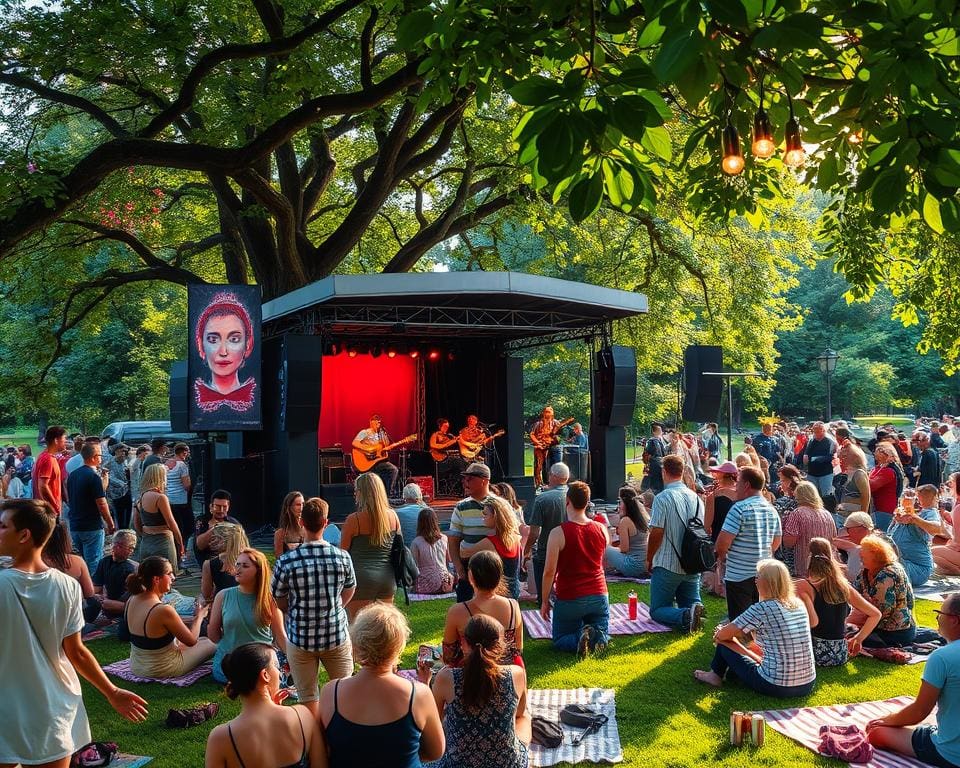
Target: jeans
x=890 y=638
x=740 y=596
x=90 y=546
x=628 y=565
x=824 y=484
x=748 y=671
x=538 y=566
x=667 y=587
x=570 y=616
x=388 y=473
x=183 y=515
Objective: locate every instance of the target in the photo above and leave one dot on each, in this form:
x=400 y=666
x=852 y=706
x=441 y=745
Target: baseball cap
x=857 y=520
x=477 y=469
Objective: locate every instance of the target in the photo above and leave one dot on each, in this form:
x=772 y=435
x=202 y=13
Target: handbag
x=546 y=733
x=579 y=716
x=94 y=755
x=405 y=568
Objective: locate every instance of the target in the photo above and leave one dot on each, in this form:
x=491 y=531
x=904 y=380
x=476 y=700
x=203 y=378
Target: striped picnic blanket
x=121 y=669
x=600 y=747
x=937 y=588
x=620 y=624
x=803 y=725
x=416 y=597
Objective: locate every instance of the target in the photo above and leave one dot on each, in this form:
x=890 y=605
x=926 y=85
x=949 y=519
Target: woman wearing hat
x=721 y=497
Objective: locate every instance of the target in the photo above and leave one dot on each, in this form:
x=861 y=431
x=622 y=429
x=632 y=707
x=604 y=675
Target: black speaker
x=245 y=480
x=608 y=459
x=615 y=386
x=339 y=497
x=703 y=393
x=299 y=375
x=179 y=397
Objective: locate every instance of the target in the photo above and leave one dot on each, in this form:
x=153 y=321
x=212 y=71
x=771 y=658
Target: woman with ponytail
x=484 y=703
x=161 y=645
x=832 y=596
x=246 y=613
x=264 y=733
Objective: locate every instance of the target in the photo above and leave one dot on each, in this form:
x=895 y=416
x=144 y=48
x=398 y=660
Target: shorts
x=926 y=750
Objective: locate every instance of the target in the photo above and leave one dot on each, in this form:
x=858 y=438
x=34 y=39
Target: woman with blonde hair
x=368 y=536
x=377 y=718
x=219 y=572
x=887 y=482
x=807 y=521
x=289 y=533
x=246 y=613
x=832 y=597
x=855 y=492
x=884 y=583
x=153 y=518
x=780 y=623
x=505 y=541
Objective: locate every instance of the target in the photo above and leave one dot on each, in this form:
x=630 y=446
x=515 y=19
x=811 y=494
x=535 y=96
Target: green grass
x=872 y=421
x=665 y=717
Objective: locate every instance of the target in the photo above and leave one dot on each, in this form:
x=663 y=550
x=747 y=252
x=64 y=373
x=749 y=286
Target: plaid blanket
x=600 y=747
x=130 y=761
x=418 y=598
x=937 y=588
x=620 y=623
x=121 y=669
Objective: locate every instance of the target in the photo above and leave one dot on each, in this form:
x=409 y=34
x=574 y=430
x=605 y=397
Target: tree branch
x=67 y=99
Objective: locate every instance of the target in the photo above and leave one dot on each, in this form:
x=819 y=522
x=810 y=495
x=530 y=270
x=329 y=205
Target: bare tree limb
x=68 y=99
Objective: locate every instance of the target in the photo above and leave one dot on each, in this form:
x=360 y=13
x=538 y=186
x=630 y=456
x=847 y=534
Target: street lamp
x=828 y=364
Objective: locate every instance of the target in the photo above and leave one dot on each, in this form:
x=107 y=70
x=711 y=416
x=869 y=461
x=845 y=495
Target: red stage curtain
x=354 y=387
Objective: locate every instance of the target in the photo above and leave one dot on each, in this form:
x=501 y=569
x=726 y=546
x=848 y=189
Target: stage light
x=352 y=351
x=391 y=351
x=414 y=353
x=451 y=356
x=434 y=355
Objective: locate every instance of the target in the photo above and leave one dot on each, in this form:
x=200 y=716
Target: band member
x=443 y=448
x=542 y=436
x=472 y=436
x=375 y=438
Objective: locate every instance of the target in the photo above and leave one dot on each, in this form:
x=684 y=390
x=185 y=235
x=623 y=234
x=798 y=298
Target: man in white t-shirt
x=178 y=490
x=41 y=653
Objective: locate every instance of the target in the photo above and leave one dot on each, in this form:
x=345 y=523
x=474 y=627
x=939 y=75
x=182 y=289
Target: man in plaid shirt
x=311 y=584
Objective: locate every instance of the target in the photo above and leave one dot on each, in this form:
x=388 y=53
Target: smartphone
x=426 y=654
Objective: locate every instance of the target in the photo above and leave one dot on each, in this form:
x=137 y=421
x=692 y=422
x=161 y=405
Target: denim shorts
x=925 y=749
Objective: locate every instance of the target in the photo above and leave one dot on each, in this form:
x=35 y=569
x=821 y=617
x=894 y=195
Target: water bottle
x=632 y=605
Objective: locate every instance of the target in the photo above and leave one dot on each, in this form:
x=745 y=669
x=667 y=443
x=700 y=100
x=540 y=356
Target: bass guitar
x=367 y=459
x=541 y=441
x=470 y=451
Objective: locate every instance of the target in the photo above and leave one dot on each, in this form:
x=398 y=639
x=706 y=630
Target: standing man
x=203 y=528
x=47 y=484
x=118 y=487
x=311 y=585
x=375 y=438
x=674 y=593
x=158 y=451
x=768 y=448
x=178 y=491
x=549 y=509
x=817 y=460
x=89 y=513
x=751 y=532
x=41 y=653
x=928 y=471
x=542 y=434
x=712 y=442
x=466 y=522
x=939 y=687
x=136 y=472
x=656 y=449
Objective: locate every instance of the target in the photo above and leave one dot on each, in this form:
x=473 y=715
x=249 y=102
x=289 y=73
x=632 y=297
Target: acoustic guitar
x=552 y=438
x=472 y=450
x=367 y=459
x=439 y=454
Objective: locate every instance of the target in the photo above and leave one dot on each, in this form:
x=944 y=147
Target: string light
x=794 y=154
x=732 y=162
x=763 y=144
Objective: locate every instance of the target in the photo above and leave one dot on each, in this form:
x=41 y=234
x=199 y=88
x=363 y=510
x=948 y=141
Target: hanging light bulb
x=763 y=144
x=732 y=162
x=793 y=153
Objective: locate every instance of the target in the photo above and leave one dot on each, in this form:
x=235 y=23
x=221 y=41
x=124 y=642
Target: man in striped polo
x=466 y=522
x=751 y=532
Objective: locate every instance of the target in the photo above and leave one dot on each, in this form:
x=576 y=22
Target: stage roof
x=507 y=306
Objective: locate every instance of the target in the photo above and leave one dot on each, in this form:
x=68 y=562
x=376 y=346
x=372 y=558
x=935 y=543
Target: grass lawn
x=664 y=716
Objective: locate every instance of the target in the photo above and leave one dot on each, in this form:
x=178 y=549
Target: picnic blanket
x=803 y=725
x=600 y=747
x=416 y=597
x=121 y=669
x=613 y=578
x=936 y=588
x=915 y=658
x=620 y=624
x=129 y=761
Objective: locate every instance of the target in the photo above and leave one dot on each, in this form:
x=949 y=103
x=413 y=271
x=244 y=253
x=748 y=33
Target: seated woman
x=630 y=557
x=807 y=521
x=246 y=613
x=376 y=718
x=913 y=534
x=289 y=533
x=429 y=549
x=780 y=623
x=884 y=583
x=264 y=733
x=484 y=704
x=161 y=645
x=485 y=574
x=219 y=572
x=499 y=516
x=58 y=553
x=946 y=556
x=832 y=596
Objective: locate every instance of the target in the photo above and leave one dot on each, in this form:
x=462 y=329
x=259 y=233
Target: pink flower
x=32 y=167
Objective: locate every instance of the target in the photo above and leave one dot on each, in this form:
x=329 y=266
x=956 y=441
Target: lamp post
x=828 y=364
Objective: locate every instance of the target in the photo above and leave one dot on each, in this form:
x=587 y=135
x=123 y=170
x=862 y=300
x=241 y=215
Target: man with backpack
x=674 y=592
x=751 y=532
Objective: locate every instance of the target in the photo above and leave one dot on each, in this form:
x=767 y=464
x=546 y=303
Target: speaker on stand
x=703 y=393
x=179 y=397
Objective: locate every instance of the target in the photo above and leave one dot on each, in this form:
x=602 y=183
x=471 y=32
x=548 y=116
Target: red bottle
x=632 y=605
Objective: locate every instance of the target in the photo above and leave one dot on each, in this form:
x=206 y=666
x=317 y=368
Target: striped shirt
x=754 y=524
x=784 y=635
x=672 y=509
x=467 y=521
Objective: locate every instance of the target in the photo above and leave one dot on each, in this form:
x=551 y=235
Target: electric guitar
x=367 y=459
x=439 y=454
x=472 y=450
x=551 y=438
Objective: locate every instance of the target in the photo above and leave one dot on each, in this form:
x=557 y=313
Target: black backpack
x=901 y=478
x=696 y=553
x=405 y=568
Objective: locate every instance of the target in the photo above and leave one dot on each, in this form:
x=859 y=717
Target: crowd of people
x=810 y=572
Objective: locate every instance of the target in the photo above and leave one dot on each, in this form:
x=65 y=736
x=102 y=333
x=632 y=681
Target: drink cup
x=736 y=735
x=757 y=728
x=632 y=605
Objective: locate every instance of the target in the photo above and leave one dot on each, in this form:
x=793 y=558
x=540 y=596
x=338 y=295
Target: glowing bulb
x=793 y=154
x=732 y=162
x=763 y=144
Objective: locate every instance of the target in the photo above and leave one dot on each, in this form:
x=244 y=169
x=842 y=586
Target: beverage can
x=736 y=735
x=757 y=728
x=632 y=605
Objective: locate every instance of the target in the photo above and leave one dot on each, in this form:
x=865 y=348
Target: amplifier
x=426 y=485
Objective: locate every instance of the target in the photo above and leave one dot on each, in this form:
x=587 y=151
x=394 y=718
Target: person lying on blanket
x=939 y=744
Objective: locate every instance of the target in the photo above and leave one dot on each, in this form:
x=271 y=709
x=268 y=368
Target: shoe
x=583 y=644
x=598 y=648
x=696 y=618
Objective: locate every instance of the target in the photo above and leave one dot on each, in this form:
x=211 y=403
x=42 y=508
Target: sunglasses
x=945 y=613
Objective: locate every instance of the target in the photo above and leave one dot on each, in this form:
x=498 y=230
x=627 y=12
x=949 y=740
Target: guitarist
x=472 y=436
x=544 y=439
x=374 y=438
x=443 y=449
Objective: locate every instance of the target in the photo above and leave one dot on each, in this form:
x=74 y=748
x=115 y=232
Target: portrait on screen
x=224 y=368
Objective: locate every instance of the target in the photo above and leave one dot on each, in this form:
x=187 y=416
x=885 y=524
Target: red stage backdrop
x=354 y=387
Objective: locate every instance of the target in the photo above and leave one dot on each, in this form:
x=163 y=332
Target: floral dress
x=484 y=739
x=890 y=591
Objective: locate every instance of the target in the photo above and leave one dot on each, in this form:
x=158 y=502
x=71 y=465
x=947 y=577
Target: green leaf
x=879 y=152
x=657 y=140
x=827 y=173
x=677 y=55
x=629 y=114
x=888 y=190
x=931 y=213
x=651 y=34
x=656 y=100
x=413 y=28
x=950 y=214
x=585 y=197
x=729 y=12
x=535 y=91
x=555 y=148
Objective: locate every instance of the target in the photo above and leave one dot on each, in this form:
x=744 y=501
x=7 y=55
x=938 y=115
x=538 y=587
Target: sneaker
x=583 y=645
x=695 y=623
x=598 y=647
